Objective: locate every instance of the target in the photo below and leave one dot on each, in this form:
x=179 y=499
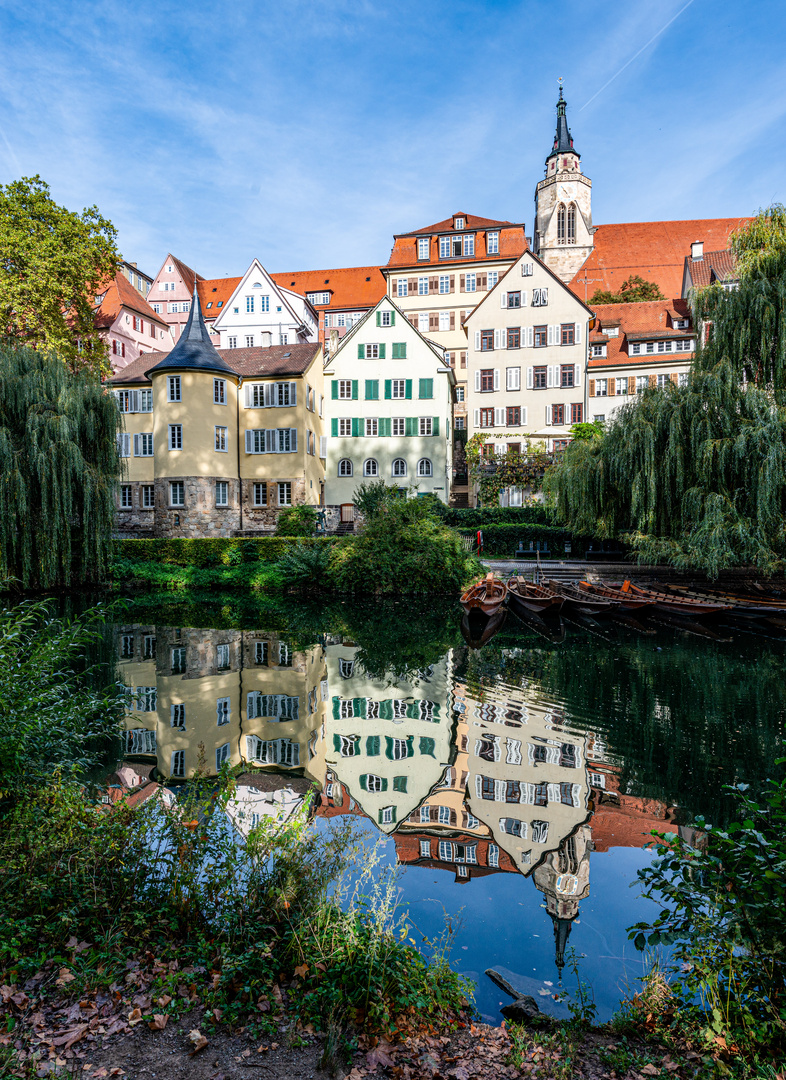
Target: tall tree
x=53 y=264
x=697 y=474
x=59 y=464
x=633 y=290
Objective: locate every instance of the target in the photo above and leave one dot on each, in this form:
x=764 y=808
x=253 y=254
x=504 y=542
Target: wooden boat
x=623 y=600
x=676 y=605
x=488 y=594
x=477 y=628
x=526 y=596
x=580 y=602
x=743 y=606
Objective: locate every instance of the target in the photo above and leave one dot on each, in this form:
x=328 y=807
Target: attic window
x=215 y=290
x=327 y=279
x=458 y=223
x=611 y=331
x=256 y=285
x=368 y=279
x=210 y=304
x=285 y=355
x=291 y=283
x=220 y=303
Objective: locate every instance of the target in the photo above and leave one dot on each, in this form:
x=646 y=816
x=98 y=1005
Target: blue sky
x=307 y=133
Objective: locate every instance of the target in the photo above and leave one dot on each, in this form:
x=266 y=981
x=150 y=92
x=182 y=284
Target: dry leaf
x=649 y=1070
x=301 y=971
x=377 y=1056
x=134 y=1016
x=159 y=1022
x=65 y=977
x=164 y=1000
x=198 y=1041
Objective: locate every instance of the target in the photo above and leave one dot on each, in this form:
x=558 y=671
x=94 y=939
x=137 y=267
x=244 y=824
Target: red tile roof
x=352 y=287
x=470 y=222
x=214 y=292
x=250 y=363
x=654 y=250
x=713 y=266
x=120 y=293
x=652 y=319
x=512 y=243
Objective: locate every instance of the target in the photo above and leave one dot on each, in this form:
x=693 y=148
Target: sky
x=307 y=133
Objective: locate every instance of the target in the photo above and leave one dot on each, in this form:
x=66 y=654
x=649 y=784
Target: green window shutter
x=361 y=352
x=382 y=811
x=427 y=745
x=359 y=707
x=379 y=318
x=337 y=739
x=372 y=389
x=372 y=746
x=356 y=426
x=386 y=709
x=382 y=352
x=426 y=388
x=388 y=389
x=435 y=425
x=392 y=318
x=399 y=350
x=384 y=428
x=411 y=425
x=384 y=783
x=363 y=781
x=334 y=389
x=413 y=710
x=388 y=747
x=410 y=745
x=400 y=783
x=408 y=389
x=334 y=427
x=354 y=389
x=336 y=708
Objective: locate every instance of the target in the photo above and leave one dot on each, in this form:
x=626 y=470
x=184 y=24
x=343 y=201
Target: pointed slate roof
x=194 y=351
x=563 y=140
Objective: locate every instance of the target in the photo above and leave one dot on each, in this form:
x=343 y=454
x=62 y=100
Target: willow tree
x=59 y=466
x=697 y=474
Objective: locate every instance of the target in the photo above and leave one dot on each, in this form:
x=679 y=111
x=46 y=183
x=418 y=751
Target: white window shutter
x=496 y=339
x=323 y=446
x=249 y=441
x=477 y=382
x=134 y=401
x=496 y=378
x=293 y=393
x=248 y=400
x=577 y=376
x=293 y=439
x=477 y=418
x=524 y=417
x=530 y=337
x=530 y=378
x=503 y=339
x=550 y=335
x=503 y=299
x=477 y=341
x=523 y=298
x=550 y=376
x=136 y=446
x=499 y=421
x=267 y=395
x=126 y=446
x=544 y=296
x=523 y=271
x=270 y=441
x=577 y=338
x=548 y=414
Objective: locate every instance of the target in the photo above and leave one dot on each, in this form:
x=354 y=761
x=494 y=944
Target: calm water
x=515 y=786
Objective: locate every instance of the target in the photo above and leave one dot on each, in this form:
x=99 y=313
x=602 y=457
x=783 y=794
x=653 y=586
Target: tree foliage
x=53 y=263
x=633 y=290
x=59 y=462
x=696 y=475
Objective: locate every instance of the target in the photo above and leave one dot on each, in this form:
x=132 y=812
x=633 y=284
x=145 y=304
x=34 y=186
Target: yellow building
x=216 y=443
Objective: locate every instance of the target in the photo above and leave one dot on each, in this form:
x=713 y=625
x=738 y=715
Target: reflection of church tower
x=563 y=205
x=563 y=877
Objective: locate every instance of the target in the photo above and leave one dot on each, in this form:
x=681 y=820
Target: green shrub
x=297 y=521
x=502 y=540
x=306 y=567
x=233 y=575
x=373 y=496
x=464 y=518
x=218 y=551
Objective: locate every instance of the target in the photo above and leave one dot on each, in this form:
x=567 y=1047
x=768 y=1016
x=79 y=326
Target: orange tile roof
x=254 y=363
x=471 y=222
x=352 y=287
x=651 y=319
x=215 y=292
x=654 y=250
x=120 y=293
x=713 y=266
x=512 y=243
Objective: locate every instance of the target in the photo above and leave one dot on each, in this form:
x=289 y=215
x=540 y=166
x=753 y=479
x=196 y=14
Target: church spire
x=563 y=140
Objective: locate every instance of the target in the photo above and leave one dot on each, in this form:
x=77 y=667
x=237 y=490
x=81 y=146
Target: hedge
x=501 y=541
x=463 y=518
x=218 y=551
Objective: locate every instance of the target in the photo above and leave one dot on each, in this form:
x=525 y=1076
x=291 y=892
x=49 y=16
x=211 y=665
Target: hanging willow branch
x=59 y=466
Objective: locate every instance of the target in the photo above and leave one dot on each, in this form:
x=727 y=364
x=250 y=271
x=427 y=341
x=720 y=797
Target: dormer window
x=492 y=243
x=423 y=242
x=458 y=223
x=611 y=331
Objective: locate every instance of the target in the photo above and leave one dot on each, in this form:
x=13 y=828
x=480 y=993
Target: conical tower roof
x=194 y=351
x=563 y=140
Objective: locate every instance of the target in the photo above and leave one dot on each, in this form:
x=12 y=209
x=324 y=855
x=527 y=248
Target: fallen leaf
x=65 y=977
x=377 y=1056
x=134 y=1016
x=198 y=1041
x=459 y=1072
x=100 y=1072
x=164 y=1000
x=301 y=971
x=649 y=1070
x=159 y=1022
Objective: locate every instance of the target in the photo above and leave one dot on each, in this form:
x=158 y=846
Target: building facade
x=217 y=444
x=259 y=312
x=389 y=393
x=141 y=281
x=171 y=295
x=127 y=323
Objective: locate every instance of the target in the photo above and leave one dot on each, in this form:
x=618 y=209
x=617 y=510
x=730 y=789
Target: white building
x=260 y=312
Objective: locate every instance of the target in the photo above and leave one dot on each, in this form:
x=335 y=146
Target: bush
x=297 y=521
x=234 y=575
x=218 y=551
x=464 y=518
x=403 y=549
x=306 y=567
x=502 y=540
x=370 y=498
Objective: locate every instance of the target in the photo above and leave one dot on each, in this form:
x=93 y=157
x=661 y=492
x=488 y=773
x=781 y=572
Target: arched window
x=345 y=467
x=371 y=468
x=424 y=467
x=399 y=467
x=572 y=224
x=561 y=224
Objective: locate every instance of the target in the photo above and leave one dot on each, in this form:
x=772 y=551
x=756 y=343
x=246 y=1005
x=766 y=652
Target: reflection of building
x=199 y=699
x=621 y=820
x=563 y=877
x=387 y=744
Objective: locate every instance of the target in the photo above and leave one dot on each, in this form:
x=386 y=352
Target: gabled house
x=260 y=312
x=128 y=323
x=171 y=294
x=708 y=268
x=389 y=393
x=339 y=297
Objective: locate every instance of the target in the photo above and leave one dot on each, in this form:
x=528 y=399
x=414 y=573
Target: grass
x=259 y=577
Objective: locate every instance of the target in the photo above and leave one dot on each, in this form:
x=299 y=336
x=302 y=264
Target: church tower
x=563 y=205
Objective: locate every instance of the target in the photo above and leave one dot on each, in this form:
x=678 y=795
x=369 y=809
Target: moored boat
x=675 y=604
x=524 y=595
x=478 y=628
x=742 y=605
x=620 y=599
x=580 y=602
x=488 y=595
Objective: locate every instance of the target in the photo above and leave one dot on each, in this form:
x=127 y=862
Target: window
x=486 y=417
x=177 y=716
x=514 y=337
x=398 y=388
x=541 y=337
x=567 y=374
x=558 y=414
x=486 y=380
x=178 y=766
x=459 y=393
x=177 y=495
x=493 y=855
x=560 y=224
x=571 y=224
x=486 y=340
x=576 y=413
x=345 y=426
x=285 y=493
x=663 y=381
x=372 y=352
x=423 y=321
x=492 y=243
x=399 y=467
x=540 y=297
x=284 y=655
x=470 y=283
x=621 y=386
x=399 y=425
x=601 y=387
x=493 y=278
x=222 y=493
x=345 y=389
x=683 y=378
x=126 y=497
x=370 y=467
x=513 y=417
x=513 y=378
x=222 y=755
x=568 y=334
x=642 y=382
x=375 y=783
x=249 y=341
x=178 y=660
x=444 y=320
x=346 y=668
x=148 y=493
x=173 y=388
x=143 y=444
x=402 y=287
x=318 y=297
x=425 y=845
x=371 y=426
x=260 y=494
x=345 y=467
x=221 y=439
x=469 y=246
x=386 y=318
x=232 y=342
x=514 y=300
x=425 y=425
x=175 y=436
x=260 y=653
x=444 y=283
x=220 y=391
x=424 y=467
x=460 y=423
x=423 y=243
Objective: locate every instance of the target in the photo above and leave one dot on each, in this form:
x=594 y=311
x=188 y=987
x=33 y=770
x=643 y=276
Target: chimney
x=697 y=249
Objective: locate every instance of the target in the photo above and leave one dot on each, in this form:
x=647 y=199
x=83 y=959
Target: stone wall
x=264 y=518
x=138 y=521
x=200 y=517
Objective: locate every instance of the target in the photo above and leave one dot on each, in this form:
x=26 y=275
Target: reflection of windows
x=513 y=827
x=275 y=706
x=493 y=855
x=398 y=749
x=399 y=709
x=513 y=755
x=222 y=657
x=387 y=815
x=178 y=661
x=445 y=851
x=425 y=849
x=346 y=668
x=140 y=741
x=443 y=815
x=348 y=745
x=512 y=791
x=472 y=821
x=487 y=747
x=487 y=788
x=222 y=755
x=541 y=795
x=177 y=716
x=260 y=652
x=178 y=765
x=149 y=647
x=284 y=655
x=375 y=783
x=146 y=700
x=127 y=646
x=597 y=779
x=425 y=814
x=223 y=709
x=273 y=751
x=540 y=832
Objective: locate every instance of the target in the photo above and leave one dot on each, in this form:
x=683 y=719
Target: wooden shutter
x=382 y=351
x=524 y=416
x=293 y=440
x=523 y=298
x=136 y=446
x=653 y=380
x=362 y=350
x=483 y=282
x=271 y=441
x=674 y=378
x=323 y=446
x=392 y=318
x=477 y=382
x=369 y=389
x=384 y=425
x=334 y=427
x=411 y=425
x=433 y=284
x=412 y=286
x=452 y=282
x=269 y=395
x=134 y=402
x=577 y=375
x=435 y=425
x=354 y=389
x=611 y=387
x=496 y=339
x=249 y=441
x=248 y=399
x=548 y=414
x=387 y=389
x=496 y=378
x=631 y=384
x=293 y=393
x=530 y=337
x=462 y=281
x=503 y=339
x=503 y=299
x=408 y=389
x=452 y=320
x=499 y=420
x=334 y=389
x=592 y=388
x=530 y=378
x=477 y=341
x=550 y=376
x=550 y=335
x=433 y=320
x=379 y=318
x=356 y=427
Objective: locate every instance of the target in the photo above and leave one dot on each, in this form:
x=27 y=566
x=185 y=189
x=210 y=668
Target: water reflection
x=526 y=764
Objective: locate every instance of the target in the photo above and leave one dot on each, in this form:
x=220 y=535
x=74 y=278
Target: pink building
x=170 y=296
x=128 y=324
